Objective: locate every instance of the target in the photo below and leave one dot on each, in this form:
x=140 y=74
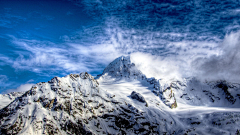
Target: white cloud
x=162 y=52
x=224 y=66
x=21 y=88
x=4 y=60
x=219 y=62
x=152 y=53
x=168 y=58
x=29 y=81
x=164 y=68
x=44 y=57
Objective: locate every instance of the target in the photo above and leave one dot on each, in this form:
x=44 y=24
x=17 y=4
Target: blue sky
x=32 y=39
x=167 y=39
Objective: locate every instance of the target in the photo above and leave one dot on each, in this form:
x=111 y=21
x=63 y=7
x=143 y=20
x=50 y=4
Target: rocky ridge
x=75 y=104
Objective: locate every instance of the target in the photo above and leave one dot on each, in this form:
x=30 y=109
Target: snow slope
x=8 y=98
x=82 y=104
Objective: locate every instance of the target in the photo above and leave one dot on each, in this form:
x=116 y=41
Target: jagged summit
x=123 y=67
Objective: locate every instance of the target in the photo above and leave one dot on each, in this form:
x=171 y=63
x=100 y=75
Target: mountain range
x=122 y=100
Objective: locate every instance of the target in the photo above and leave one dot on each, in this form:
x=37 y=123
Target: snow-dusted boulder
x=138 y=96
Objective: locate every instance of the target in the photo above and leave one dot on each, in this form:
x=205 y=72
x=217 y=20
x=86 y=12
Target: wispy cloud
x=155 y=54
x=163 y=40
x=3 y=82
x=42 y=56
x=4 y=60
x=3 y=79
x=167 y=42
x=46 y=58
x=204 y=63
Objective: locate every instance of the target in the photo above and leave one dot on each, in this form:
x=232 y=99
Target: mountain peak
x=123 y=67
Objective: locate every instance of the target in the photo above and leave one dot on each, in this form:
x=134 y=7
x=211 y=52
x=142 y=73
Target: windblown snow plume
x=225 y=65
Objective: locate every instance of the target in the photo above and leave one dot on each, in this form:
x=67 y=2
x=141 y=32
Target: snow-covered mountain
x=123 y=101
x=214 y=94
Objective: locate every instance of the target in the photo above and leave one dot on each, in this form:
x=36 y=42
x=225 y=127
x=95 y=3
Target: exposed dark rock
x=84 y=75
x=138 y=96
x=75 y=128
x=223 y=85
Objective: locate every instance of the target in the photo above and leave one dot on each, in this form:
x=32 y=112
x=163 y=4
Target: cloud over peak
x=224 y=66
